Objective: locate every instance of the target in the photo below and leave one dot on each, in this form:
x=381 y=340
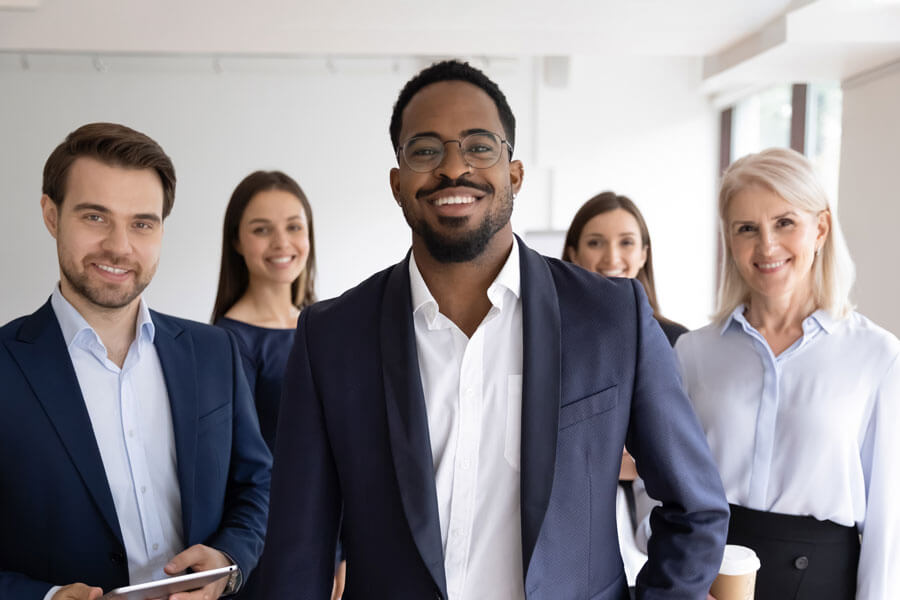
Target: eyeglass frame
x=459 y=144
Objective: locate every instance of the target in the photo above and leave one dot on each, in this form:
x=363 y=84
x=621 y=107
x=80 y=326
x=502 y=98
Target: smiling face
x=273 y=237
x=455 y=211
x=108 y=232
x=611 y=244
x=773 y=244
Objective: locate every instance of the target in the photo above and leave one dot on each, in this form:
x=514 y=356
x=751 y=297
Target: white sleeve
x=878 y=576
x=643 y=504
x=52 y=591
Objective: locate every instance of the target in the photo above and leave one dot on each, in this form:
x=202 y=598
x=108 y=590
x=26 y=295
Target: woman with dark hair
x=267 y=275
x=266 y=278
x=608 y=235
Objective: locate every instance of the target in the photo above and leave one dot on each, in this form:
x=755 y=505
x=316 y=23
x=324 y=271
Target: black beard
x=464 y=249
x=469 y=245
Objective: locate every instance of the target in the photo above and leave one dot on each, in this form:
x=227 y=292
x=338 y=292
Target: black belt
x=792 y=528
x=801 y=557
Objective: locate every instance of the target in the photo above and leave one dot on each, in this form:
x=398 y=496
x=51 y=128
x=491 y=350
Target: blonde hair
x=789 y=175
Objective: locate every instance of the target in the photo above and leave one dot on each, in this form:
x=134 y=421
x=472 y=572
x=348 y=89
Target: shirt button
x=143 y=489
x=131 y=433
x=466 y=464
x=155 y=546
x=801 y=563
x=470 y=393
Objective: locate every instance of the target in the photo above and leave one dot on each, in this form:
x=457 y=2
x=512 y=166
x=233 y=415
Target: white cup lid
x=739 y=560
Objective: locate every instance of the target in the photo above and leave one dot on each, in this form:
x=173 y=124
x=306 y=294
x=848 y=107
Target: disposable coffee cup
x=737 y=576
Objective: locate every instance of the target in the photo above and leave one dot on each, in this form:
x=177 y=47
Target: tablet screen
x=161 y=588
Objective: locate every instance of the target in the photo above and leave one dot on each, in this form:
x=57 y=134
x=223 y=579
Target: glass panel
x=823 y=133
x=761 y=121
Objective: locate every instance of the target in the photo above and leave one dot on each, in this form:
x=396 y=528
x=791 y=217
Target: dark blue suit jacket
x=58 y=523
x=598 y=374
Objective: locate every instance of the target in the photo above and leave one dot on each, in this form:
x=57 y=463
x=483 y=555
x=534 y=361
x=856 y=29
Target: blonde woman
x=798 y=394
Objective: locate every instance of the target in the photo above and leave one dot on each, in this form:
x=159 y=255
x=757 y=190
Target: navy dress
x=265 y=352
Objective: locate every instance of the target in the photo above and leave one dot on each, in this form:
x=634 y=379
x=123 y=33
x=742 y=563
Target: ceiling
x=741 y=43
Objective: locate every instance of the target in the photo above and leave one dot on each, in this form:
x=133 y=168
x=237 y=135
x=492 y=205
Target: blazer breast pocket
x=214 y=419
x=587 y=407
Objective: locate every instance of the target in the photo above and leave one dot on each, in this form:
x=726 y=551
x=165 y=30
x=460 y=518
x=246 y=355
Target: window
x=805 y=117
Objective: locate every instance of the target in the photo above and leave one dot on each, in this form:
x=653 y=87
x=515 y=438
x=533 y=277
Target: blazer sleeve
x=306 y=500
x=243 y=528
x=16 y=586
x=691 y=523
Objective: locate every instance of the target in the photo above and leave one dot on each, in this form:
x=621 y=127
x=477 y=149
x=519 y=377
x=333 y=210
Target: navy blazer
x=598 y=374
x=58 y=523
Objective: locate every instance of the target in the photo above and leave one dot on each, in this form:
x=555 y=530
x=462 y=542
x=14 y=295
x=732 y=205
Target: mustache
x=110 y=259
x=447 y=183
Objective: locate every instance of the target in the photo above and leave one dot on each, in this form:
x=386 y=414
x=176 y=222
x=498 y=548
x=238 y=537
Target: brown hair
x=233 y=274
x=604 y=203
x=114 y=145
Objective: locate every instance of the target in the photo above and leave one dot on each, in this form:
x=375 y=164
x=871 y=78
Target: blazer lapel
x=175 y=348
x=41 y=353
x=541 y=365
x=408 y=422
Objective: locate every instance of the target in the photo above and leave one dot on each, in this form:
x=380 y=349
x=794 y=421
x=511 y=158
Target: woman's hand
x=340 y=579
x=627 y=472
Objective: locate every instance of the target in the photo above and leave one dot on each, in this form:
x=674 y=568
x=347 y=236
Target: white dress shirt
x=132 y=423
x=812 y=431
x=473 y=398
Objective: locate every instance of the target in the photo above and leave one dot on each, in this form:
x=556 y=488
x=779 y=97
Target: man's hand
x=78 y=591
x=199 y=558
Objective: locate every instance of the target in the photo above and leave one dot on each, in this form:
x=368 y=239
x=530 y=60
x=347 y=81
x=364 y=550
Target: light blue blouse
x=812 y=431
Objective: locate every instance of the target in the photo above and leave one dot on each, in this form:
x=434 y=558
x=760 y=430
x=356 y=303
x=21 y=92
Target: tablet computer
x=161 y=588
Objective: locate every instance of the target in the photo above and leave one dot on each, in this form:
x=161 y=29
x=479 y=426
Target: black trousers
x=802 y=558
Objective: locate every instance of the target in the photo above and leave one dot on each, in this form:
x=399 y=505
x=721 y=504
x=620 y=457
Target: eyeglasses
x=423 y=153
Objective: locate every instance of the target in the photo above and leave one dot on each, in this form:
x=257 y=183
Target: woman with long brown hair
x=266 y=278
x=609 y=236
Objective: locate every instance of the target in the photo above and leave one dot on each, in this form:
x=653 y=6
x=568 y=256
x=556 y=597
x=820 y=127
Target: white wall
x=870 y=190
x=640 y=126
x=636 y=125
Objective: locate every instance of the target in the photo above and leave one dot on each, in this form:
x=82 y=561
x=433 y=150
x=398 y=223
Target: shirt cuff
x=52 y=591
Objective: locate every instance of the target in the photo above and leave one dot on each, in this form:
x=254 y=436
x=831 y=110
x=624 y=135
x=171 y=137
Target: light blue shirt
x=132 y=424
x=812 y=431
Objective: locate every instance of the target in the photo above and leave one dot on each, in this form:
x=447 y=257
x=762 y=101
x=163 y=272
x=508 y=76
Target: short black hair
x=453 y=70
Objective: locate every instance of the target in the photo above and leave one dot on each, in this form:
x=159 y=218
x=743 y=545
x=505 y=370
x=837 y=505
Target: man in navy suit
x=461 y=415
x=129 y=446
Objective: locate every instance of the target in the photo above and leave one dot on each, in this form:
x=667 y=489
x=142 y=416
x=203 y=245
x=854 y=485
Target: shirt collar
x=72 y=323
x=509 y=278
x=820 y=319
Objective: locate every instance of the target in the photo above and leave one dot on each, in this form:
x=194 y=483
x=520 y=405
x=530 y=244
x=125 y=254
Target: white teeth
x=282 y=260
x=771 y=265
x=454 y=200
x=612 y=273
x=112 y=270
